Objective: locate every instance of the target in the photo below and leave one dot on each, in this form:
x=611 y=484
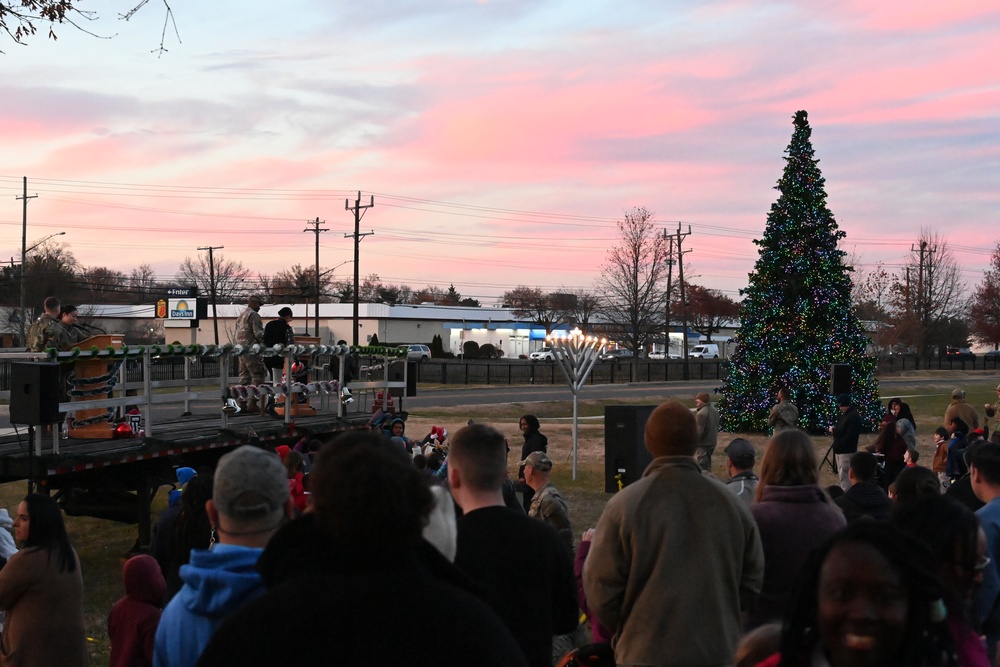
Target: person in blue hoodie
x=250 y=501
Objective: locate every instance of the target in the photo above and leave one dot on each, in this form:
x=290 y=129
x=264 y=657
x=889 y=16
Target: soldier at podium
x=72 y=332
x=46 y=331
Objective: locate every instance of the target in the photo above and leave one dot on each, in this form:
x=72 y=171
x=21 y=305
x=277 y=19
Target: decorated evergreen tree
x=797 y=317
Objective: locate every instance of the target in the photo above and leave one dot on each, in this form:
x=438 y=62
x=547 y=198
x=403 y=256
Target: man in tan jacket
x=671 y=584
x=959 y=408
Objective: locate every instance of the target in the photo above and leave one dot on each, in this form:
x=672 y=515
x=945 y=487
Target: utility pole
x=211 y=287
x=920 y=295
x=670 y=277
x=684 y=306
x=923 y=285
x=358 y=210
x=316 y=229
x=24 y=251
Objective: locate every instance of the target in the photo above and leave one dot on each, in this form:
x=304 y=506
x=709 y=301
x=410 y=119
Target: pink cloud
x=920 y=14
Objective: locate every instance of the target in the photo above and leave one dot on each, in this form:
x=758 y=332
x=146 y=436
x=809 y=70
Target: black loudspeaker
x=411 y=378
x=34 y=393
x=625 y=454
x=840 y=379
x=396 y=374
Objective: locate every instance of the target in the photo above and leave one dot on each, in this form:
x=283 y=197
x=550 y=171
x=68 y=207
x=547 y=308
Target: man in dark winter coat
x=521 y=562
x=845 y=438
x=278 y=332
x=354 y=583
x=865 y=497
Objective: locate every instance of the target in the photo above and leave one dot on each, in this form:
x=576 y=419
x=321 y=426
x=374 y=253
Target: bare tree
x=531 y=303
x=20 y=18
x=927 y=295
x=873 y=302
x=298 y=285
x=343 y=291
x=142 y=284
x=632 y=296
x=98 y=284
x=393 y=294
x=231 y=278
x=370 y=286
x=51 y=271
x=429 y=294
x=582 y=308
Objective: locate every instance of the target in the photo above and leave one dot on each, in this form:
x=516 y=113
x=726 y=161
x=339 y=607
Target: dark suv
x=960 y=353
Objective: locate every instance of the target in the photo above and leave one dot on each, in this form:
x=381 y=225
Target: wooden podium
x=303 y=409
x=94 y=368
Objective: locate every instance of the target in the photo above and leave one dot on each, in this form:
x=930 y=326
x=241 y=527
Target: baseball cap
x=285 y=312
x=844 y=400
x=741 y=448
x=539 y=461
x=250 y=483
x=957 y=393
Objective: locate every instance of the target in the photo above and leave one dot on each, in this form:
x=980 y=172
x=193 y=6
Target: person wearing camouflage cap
x=959 y=408
x=547 y=504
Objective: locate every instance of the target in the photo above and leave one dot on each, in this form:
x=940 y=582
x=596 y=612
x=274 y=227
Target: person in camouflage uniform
x=250 y=331
x=547 y=504
x=71 y=334
x=785 y=414
x=46 y=331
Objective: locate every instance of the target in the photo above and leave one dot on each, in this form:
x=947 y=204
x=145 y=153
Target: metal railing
x=147 y=378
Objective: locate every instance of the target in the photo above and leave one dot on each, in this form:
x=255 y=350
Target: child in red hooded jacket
x=133 y=620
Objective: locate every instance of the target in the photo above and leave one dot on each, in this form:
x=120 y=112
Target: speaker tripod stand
x=830 y=458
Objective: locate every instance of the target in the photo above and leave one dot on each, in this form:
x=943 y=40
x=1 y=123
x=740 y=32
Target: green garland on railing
x=196 y=350
x=380 y=350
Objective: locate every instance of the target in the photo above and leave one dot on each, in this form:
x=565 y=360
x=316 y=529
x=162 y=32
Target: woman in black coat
x=534 y=441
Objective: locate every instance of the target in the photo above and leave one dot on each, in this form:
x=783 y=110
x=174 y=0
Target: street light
x=24 y=254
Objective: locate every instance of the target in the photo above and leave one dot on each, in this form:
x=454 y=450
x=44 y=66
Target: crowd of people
x=358 y=550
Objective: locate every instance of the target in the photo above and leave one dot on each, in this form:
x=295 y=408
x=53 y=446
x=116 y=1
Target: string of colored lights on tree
x=797 y=316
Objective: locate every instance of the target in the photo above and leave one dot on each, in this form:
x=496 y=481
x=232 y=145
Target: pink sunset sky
x=500 y=139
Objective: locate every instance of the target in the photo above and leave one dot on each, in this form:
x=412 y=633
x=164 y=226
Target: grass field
x=103 y=545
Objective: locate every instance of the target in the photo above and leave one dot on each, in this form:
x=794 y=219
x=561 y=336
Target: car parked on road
x=418 y=353
x=615 y=355
x=960 y=353
x=706 y=351
x=543 y=354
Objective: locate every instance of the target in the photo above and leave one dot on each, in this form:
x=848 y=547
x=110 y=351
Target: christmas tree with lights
x=797 y=315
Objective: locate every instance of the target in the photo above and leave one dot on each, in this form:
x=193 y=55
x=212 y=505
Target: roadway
x=646 y=392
